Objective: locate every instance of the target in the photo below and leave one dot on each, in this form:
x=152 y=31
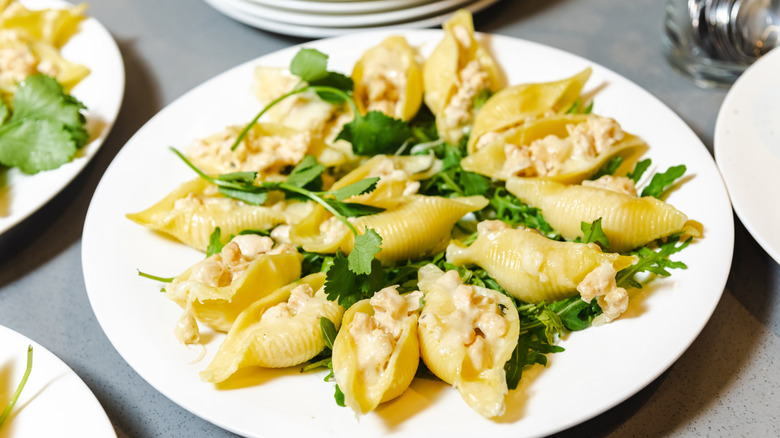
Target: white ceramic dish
x=600 y=368
x=101 y=91
x=321 y=32
x=369 y=19
x=54 y=402
x=747 y=149
x=343 y=8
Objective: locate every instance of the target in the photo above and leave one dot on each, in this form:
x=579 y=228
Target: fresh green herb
x=347 y=287
x=639 y=170
x=329 y=331
x=215 y=242
x=480 y=98
x=45 y=129
x=155 y=278
x=19 y=388
x=339 y=396
x=654 y=262
x=314 y=262
x=576 y=107
x=661 y=181
x=609 y=168
x=366 y=246
x=375 y=133
x=508 y=208
x=593 y=233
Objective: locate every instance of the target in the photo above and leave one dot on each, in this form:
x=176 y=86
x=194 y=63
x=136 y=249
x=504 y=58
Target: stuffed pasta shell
x=627 y=220
x=565 y=148
x=376 y=352
x=388 y=79
x=191 y=212
x=457 y=71
x=533 y=268
x=467 y=334
x=215 y=290
x=513 y=106
x=417 y=228
x=280 y=330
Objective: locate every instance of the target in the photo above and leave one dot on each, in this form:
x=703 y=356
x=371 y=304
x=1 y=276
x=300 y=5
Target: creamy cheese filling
x=600 y=284
x=376 y=335
x=620 y=184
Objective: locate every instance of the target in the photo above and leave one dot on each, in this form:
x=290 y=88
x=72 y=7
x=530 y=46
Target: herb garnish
x=19 y=388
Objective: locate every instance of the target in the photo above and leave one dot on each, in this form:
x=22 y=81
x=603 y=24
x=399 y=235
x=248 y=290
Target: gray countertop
x=726 y=384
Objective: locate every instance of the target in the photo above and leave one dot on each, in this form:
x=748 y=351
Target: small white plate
x=747 y=149
x=347 y=8
x=322 y=32
x=101 y=91
x=55 y=402
x=601 y=367
x=370 y=19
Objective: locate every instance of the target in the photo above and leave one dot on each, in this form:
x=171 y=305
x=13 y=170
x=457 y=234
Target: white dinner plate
x=370 y=19
x=351 y=7
x=747 y=149
x=264 y=23
x=54 y=402
x=101 y=91
x=601 y=366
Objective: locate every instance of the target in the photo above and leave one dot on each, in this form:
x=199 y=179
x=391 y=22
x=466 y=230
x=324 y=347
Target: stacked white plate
x=326 y=18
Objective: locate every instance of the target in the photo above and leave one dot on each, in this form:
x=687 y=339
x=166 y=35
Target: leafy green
x=654 y=262
x=593 y=233
x=307 y=174
x=354 y=189
x=375 y=133
x=45 y=129
x=366 y=246
x=329 y=331
x=609 y=168
x=661 y=181
x=480 y=98
x=309 y=65
x=339 y=396
x=639 y=170
x=347 y=287
x=215 y=242
x=20 y=387
x=156 y=278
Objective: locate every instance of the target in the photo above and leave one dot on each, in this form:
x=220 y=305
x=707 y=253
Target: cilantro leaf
x=333 y=80
x=347 y=287
x=357 y=188
x=309 y=65
x=40 y=97
x=661 y=181
x=307 y=173
x=35 y=145
x=351 y=209
x=366 y=246
x=251 y=197
x=375 y=133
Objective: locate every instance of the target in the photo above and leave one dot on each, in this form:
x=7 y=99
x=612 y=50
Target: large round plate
x=101 y=91
x=601 y=366
x=54 y=402
x=261 y=22
x=747 y=149
x=348 y=8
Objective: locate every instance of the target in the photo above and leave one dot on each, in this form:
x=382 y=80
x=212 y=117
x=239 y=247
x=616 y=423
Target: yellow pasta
x=280 y=330
x=467 y=333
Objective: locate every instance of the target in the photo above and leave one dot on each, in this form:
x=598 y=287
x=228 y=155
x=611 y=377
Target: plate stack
x=325 y=18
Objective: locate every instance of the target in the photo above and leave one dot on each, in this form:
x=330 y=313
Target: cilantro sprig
x=45 y=128
x=19 y=388
x=370 y=134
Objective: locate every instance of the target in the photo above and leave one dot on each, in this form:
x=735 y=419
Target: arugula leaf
x=574 y=313
x=660 y=181
x=593 y=233
x=339 y=396
x=655 y=262
x=20 y=387
x=366 y=246
x=375 y=133
x=513 y=211
x=329 y=331
x=609 y=168
x=639 y=170
x=215 y=242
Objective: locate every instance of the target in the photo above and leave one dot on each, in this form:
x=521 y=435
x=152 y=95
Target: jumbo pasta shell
x=491 y=160
x=274 y=342
x=362 y=391
x=529 y=266
x=417 y=228
x=191 y=212
x=482 y=383
x=442 y=70
x=514 y=105
x=388 y=78
x=627 y=221
x=220 y=306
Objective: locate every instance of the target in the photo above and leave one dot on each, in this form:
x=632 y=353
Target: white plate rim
x=324 y=32
x=748 y=166
x=719 y=241
x=102 y=92
x=370 y=19
x=346 y=8
x=51 y=378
